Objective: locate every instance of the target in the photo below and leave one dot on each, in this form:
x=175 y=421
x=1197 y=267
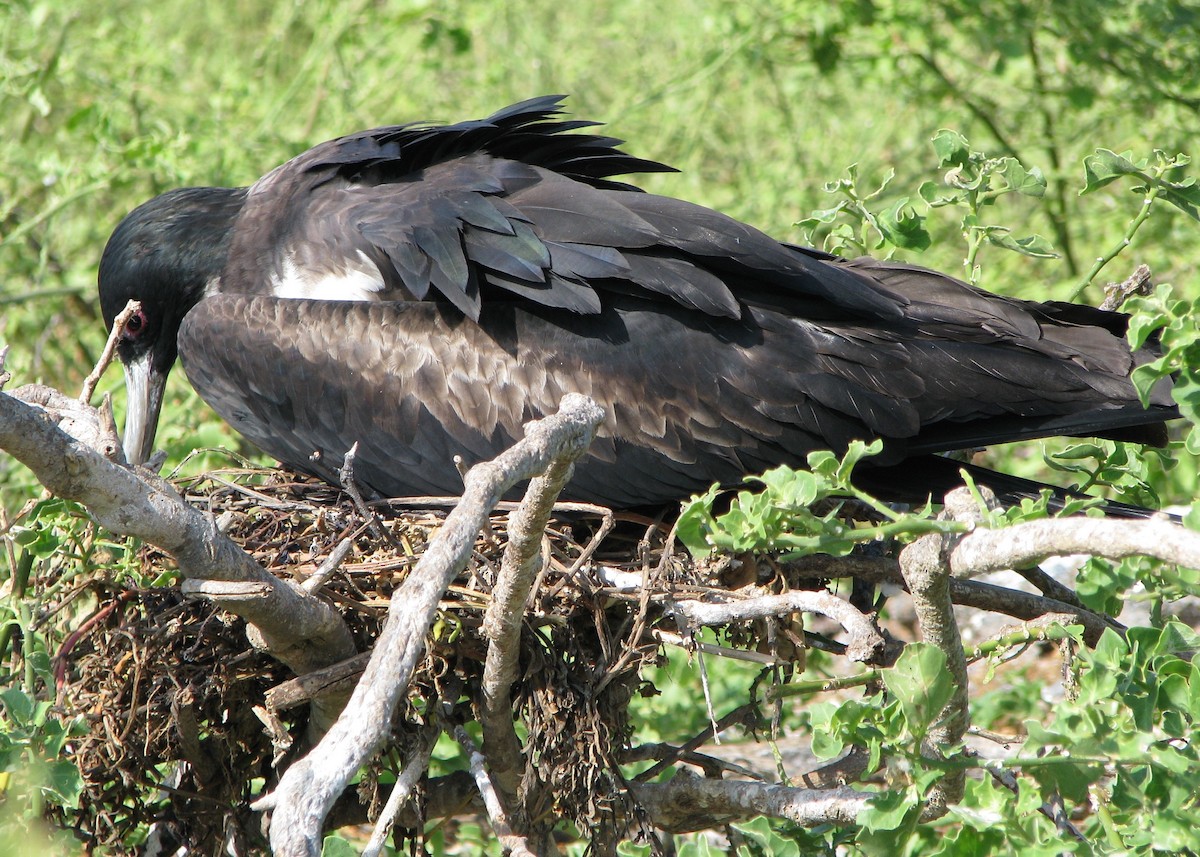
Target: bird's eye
x=135 y=326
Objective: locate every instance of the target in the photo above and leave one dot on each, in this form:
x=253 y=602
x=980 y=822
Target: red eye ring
x=135 y=326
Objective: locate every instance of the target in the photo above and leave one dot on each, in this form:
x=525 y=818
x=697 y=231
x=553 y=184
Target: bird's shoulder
x=512 y=208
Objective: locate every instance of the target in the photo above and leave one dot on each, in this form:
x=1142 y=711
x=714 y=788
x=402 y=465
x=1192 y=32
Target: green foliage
x=337 y=846
x=1172 y=321
x=1105 y=167
x=851 y=228
x=781 y=516
x=32 y=745
x=976 y=182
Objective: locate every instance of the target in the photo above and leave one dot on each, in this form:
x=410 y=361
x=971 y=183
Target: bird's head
x=166 y=254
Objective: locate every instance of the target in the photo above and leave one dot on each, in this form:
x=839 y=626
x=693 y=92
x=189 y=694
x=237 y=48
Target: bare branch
x=502 y=626
x=1029 y=543
x=1138 y=283
x=866 y=643
x=310 y=786
x=303 y=632
x=689 y=803
x=336 y=678
x=927 y=573
x=968 y=593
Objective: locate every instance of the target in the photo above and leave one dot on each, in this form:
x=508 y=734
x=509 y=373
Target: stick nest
x=170 y=686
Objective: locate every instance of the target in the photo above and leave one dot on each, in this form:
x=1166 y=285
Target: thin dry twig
x=408 y=779
x=329 y=567
x=110 y=347
x=346 y=478
x=512 y=842
x=742 y=715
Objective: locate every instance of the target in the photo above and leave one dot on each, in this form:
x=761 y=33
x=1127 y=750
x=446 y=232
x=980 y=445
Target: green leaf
x=1184 y=195
x=922 y=685
x=1141 y=325
x=1033 y=245
x=819 y=216
x=789 y=488
x=769 y=841
x=336 y=846
x=1192 y=519
x=1106 y=166
x=1027 y=182
x=19 y=705
x=63 y=784
x=930 y=191
x=904 y=227
x=888 y=810
x=951 y=148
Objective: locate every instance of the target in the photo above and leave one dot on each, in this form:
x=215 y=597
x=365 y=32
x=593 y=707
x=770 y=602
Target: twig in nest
x=607 y=522
x=414 y=768
x=511 y=842
x=106 y=356
x=639 y=623
x=329 y=567
x=281 y=739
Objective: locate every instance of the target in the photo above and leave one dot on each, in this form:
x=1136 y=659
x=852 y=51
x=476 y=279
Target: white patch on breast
x=361 y=282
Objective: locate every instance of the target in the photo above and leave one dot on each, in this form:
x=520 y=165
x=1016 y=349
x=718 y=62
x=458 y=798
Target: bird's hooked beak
x=144 y=385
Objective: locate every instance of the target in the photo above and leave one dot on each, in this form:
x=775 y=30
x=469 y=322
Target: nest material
x=172 y=691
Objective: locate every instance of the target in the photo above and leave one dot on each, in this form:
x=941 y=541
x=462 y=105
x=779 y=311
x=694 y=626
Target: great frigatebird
x=425 y=290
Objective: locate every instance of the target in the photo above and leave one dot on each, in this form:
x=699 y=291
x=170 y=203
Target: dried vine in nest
x=159 y=681
x=164 y=679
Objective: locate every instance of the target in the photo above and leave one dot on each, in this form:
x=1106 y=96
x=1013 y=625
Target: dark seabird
x=425 y=290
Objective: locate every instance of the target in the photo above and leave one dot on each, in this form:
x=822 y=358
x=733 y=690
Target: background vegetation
x=759 y=103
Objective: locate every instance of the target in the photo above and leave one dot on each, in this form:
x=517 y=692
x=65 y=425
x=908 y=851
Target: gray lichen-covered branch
x=502 y=626
x=303 y=632
x=866 y=643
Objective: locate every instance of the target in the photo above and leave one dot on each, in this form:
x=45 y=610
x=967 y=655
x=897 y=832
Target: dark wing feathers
x=690 y=398
x=469 y=389
x=715 y=350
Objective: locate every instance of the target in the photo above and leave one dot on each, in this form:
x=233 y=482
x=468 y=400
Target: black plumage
x=426 y=290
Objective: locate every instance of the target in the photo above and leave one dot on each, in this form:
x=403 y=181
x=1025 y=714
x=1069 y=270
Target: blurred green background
x=757 y=103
